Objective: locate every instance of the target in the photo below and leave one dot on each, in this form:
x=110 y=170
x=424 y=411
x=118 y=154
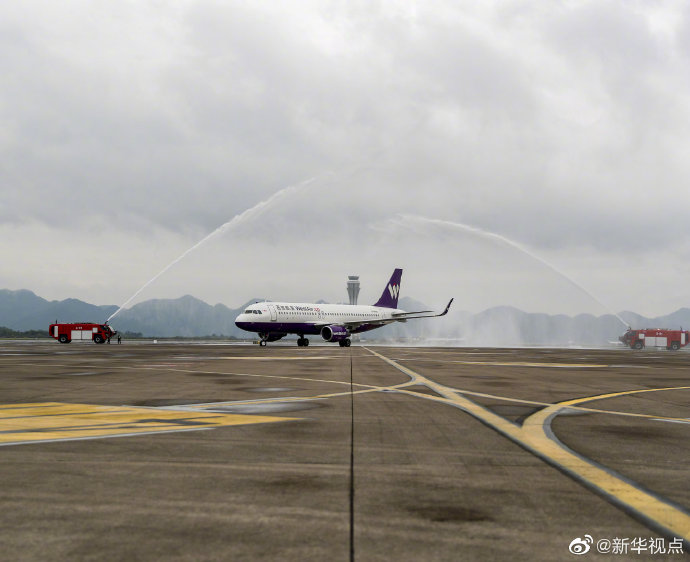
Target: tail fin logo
x=393 y=290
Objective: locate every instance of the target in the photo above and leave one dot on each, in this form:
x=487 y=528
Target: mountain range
x=188 y=316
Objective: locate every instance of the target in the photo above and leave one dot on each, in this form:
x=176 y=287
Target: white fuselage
x=310 y=318
x=334 y=322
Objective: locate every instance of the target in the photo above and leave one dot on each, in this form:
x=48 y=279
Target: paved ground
x=225 y=452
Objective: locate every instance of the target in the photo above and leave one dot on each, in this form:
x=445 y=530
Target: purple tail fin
x=389 y=298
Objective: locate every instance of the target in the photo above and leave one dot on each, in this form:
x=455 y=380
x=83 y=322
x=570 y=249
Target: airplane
x=333 y=322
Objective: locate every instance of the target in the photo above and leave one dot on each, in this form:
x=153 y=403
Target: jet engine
x=334 y=333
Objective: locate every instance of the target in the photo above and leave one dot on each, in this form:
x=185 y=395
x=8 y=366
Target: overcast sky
x=449 y=138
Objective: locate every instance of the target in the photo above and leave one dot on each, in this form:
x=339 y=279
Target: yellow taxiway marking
x=54 y=421
x=535 y=436
x=367 y=388
x=536 y=431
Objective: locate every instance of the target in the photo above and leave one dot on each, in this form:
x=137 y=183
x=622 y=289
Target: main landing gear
x=302 y=341
x=345 y=343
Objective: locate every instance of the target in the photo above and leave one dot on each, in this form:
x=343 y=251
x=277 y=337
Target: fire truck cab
x=97 y=333
x=670 y=339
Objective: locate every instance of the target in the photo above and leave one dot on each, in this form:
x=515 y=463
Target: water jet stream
x=250 y=213
x=508 y=242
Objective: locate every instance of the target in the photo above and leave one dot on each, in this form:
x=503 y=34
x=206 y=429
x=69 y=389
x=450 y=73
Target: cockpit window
x=249 y=311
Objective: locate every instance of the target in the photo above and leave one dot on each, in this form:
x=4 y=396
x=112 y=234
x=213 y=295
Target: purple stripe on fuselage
x=281 y=327
x=301 y=328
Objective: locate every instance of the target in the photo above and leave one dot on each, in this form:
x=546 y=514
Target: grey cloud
x=560 y=126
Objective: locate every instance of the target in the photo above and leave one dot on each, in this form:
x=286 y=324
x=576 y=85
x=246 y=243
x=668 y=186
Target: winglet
x=447 y=307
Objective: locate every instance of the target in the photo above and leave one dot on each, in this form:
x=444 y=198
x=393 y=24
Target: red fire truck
x=670 y=339
x=97 y=333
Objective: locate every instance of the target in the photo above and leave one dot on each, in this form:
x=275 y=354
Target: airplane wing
x=399 y=317
x=421 y=313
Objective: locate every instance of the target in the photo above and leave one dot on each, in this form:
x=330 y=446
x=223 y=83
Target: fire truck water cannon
x=670 y=339
x=97 y=333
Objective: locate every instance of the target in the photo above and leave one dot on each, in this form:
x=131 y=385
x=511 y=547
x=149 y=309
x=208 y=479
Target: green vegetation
x=131 y=335
x=7 y=333
x=196 y=338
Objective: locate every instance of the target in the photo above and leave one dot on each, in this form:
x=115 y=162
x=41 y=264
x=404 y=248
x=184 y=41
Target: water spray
x=508 y=242
x=253 y=212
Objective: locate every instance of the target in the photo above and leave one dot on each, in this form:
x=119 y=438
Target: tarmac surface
x=237 y=452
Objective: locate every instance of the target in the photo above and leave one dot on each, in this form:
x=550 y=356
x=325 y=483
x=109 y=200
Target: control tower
x=353 y=288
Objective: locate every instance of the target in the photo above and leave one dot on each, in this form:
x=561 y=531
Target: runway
x=223 y=452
